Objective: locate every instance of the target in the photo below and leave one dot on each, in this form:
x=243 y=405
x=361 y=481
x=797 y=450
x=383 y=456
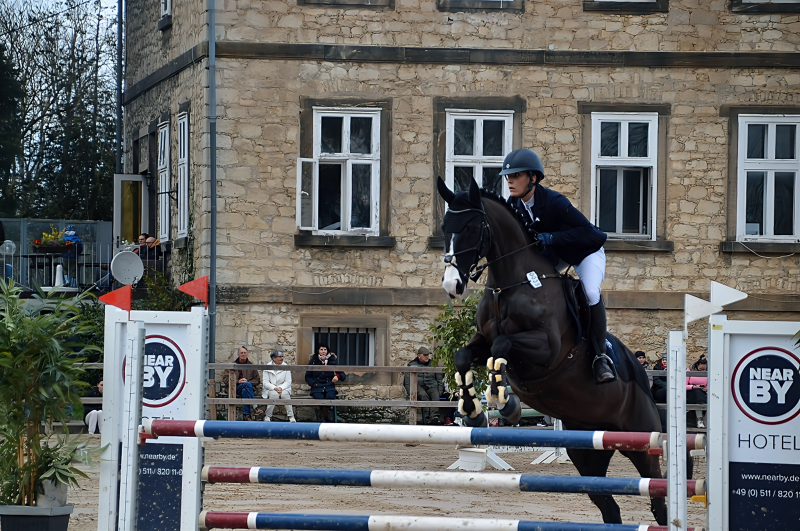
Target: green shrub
x=452 y=329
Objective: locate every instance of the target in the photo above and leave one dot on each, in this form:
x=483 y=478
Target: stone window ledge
x=311 y=240
x=472 y=6
x=350 y=3
x=657 y=246
x=627 y=8
x=738 y=6
x=165 y=23
x=182 y=242
x=759 y=247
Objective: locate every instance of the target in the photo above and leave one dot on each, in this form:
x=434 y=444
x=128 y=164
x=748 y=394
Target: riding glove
x=545 y=239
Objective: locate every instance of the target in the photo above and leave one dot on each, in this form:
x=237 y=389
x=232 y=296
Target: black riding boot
x=602 y=366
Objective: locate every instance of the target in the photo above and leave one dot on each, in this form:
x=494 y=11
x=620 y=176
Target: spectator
x=641 y=357
x=152 y=249
x=93 y=413
x=697 y=389
x=430 y=385
x=142 y=240
x=277 y=385
x=659 y=388
x=323 y=383
x=246 y=382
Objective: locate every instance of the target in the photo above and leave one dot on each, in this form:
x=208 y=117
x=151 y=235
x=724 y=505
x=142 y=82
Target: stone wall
x=259 y=136
x=147 y=48
x=688 y=26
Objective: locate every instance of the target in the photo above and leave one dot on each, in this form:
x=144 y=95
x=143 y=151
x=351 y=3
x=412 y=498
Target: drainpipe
x=212 y=130
x=119 y=86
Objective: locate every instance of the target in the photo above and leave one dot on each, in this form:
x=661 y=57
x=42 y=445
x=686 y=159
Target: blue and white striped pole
x=397 y=433
x=411 y=479
x=322 y=522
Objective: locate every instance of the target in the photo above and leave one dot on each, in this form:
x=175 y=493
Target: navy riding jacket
x=574 y=237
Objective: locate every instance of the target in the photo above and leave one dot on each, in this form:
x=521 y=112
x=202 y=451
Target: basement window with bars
x=352 y=346
x=768 y=195
x=624 y=173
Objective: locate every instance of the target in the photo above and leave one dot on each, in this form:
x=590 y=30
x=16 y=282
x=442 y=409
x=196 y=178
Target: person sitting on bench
x=323 y=383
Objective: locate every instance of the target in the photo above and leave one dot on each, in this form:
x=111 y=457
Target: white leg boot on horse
x=499 y=393
x=602 y=365
x=471 y=408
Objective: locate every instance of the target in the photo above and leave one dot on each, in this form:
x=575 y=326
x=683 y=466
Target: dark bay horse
x=531 y=341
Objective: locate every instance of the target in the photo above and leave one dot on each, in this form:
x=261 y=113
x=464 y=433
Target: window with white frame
x=163 y=181
x=183 y=175
x=338 y=191
x=477 y=142
x=166 y=8
x=767 y=192
x=624 y=173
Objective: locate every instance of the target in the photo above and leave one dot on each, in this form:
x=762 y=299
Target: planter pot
x=53 y=249
x=19 y=518
x=54 y=495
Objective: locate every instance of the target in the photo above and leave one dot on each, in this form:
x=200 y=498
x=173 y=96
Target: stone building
x=671 y=125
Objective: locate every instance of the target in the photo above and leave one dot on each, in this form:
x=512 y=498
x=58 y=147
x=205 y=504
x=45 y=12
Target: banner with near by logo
x=173 y=376
x=760 y=439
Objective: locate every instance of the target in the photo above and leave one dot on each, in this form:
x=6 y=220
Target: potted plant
x=40 y=382
x=53 y=242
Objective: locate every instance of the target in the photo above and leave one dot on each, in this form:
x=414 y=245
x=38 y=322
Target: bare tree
x=64 y=54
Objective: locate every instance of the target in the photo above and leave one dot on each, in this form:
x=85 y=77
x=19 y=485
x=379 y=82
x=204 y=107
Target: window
x=768 y=194
x=163 y=181
x=624 y=173
x=339 y=188
x=183 y=175
x=352 y=346
x=477 y=142
x=514 y=6
x=627 y=7
x=166 y=8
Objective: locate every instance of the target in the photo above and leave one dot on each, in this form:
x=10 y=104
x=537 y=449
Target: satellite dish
x=8 y=247
x=127 y=267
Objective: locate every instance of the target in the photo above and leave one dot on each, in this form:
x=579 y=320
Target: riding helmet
x=522 y=160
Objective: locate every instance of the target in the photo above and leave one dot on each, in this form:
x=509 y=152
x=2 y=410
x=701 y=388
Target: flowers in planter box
x=54 y=238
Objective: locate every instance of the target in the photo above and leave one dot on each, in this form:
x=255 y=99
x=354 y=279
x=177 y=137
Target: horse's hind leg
x=648 y=467
x=595 y=463
x=469 y=405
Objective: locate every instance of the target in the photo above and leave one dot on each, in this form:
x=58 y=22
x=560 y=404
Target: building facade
x=671 y=125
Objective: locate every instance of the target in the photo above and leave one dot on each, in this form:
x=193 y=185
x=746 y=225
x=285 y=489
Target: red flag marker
x=121 y=298
x=197 y=288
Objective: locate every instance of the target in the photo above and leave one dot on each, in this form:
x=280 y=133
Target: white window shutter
x=163 y=182
x=183 y=175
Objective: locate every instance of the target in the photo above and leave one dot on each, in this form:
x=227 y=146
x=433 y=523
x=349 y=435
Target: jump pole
x=322 y=522
x=394 y=433
x=413 y=479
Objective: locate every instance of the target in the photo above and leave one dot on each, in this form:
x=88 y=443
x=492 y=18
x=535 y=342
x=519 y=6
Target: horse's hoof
x=478 y=422
x=512 y=411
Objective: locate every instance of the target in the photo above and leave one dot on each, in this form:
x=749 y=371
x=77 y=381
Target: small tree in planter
x=40 y=382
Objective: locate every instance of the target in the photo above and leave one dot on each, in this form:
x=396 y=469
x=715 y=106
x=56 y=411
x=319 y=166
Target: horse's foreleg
x=469 y=405
x=499 y=392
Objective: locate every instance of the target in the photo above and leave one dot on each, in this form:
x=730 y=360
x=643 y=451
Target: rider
x=564 y=234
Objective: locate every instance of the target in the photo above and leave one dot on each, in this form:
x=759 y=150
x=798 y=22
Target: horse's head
x=466 y=236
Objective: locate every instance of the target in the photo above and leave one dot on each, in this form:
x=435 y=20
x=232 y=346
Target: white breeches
x=592 y=271
x=94 y=420
x=285 y=395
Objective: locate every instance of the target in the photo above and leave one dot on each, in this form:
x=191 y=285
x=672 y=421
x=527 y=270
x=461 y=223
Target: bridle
x=475 y=270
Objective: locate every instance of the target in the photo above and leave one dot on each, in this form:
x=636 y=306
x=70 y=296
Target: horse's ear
x=447 y=194
x=474 y=193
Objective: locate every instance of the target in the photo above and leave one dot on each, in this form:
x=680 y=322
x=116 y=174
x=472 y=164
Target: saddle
x=578 y=304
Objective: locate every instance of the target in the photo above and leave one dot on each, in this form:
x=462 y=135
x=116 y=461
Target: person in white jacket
x=277 y=385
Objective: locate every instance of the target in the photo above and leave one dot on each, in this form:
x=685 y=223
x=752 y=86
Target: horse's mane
x=515 y=213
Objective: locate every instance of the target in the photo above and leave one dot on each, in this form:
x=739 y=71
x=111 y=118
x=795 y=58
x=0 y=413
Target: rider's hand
x=545 y=239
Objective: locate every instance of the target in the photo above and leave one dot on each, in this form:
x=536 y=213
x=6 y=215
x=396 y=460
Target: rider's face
x=518 y=184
